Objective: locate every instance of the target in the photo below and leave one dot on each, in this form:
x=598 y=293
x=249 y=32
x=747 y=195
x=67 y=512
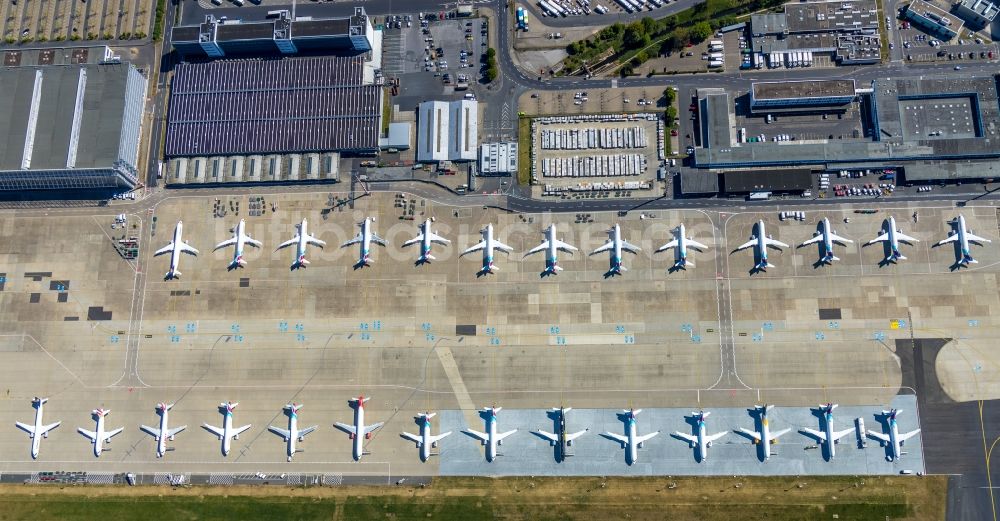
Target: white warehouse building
x=448 y=131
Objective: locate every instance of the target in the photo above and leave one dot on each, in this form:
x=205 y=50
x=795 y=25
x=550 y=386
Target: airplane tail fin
x=556 y=267
x=429 y=257
x=967 y=259
x=173 y=274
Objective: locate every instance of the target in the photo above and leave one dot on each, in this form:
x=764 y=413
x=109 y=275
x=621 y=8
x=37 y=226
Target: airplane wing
x=349 y=429
x=536 y=249
x=751 y=242
x=975 y=238
x=816 y=238
x=696 y=244
x=508 y=433
x=878 y=436
x=502 y=247
x=774 y=242
x=646 y=437
x=214 y=430
x=566 y=247
x=951 y=238
x=685 y=437
x=774 y=435
x=812 y=433
x=280 y=432
x=357 y=238
x=903 y=237
x=412 y=437
x=378 y=240
x=111 y=434
x=372 y=427
x=477 y=247
x=241 y=430
x=616 y=437
x=254 y=242
x=547 y=435
x=835 y=237
x=165 y=249
x=152 y=431
x=225 y=243
x=288 y=243
x=90 y=434
x=478 y=435
x=439 y=437
x=414 y=240
x=607 y=246
x=712 y=437
x=188 y=249
x=307 y=430
x=438 y=239
x=175 y=430
x=30 y=429
x=753 y=434
x=840 y=434
x=880 y=238
x=575 y=435
x=314 y=241
x=631 y=248
x=667 y=246
x=904 y=437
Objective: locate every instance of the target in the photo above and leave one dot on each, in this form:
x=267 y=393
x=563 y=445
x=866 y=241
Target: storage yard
x=559 y=165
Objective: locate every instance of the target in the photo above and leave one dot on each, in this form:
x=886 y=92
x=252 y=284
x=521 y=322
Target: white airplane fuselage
x=897 y=449
x=300 y=248
x=831 y=444
x=425 y=242
x=765 y=434
x=241 y=239
x=552 y=252
x=99 y=440
x=227 y=436
x=616 y=249
x=175 y=253
x=425 y=437
x=762 y=243
x=293 y=432
x=36 y=440
x=827 y=241
x=161 y=442
x=893 y=240
x=682 y=252
x=359 y=431
x=632 y=451
x=702 y=444
x=963 y=241
x=488 y=249
x=491 y=433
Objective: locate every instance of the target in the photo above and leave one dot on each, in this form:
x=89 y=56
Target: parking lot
x=801 y=127
x=918 y=46
x=28 y=21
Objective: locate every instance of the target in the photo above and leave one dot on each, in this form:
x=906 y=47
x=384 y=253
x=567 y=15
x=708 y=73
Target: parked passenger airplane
x=293 y=433
x=240 y=239
x=893 y=236
x=894 y=439
x=37 y=431
x=616 y=245
x=828 y=435
x=99 y=437
x=302 y=240
x=631 y=441
x=359 y=431
x=700 y=440
x=425 y=441
x=487 y=245
x=164 y=433
x=828 y=236
x=175 y=248
x=227 y=433
x=491 y=439
x=765 y=437
x=551 y=245
x=760 y=240
x=561 y=440
x=365 y=238
x=964 y=236
x=426 y=237
x=681 y=242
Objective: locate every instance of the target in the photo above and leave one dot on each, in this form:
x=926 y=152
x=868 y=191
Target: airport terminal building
x=69 y=124
x=279 y=35
x=933 y=129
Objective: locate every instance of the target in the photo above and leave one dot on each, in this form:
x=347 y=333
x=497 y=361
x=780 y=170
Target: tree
x=669 y=96
x=700 y=32
x=491 y=73
x=491 y=53
x=636 y=36
x=649 y=25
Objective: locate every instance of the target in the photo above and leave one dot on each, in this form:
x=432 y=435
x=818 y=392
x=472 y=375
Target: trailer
x=625 y=5
x=712 y=47
x=715 y=56
x=715 y=64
